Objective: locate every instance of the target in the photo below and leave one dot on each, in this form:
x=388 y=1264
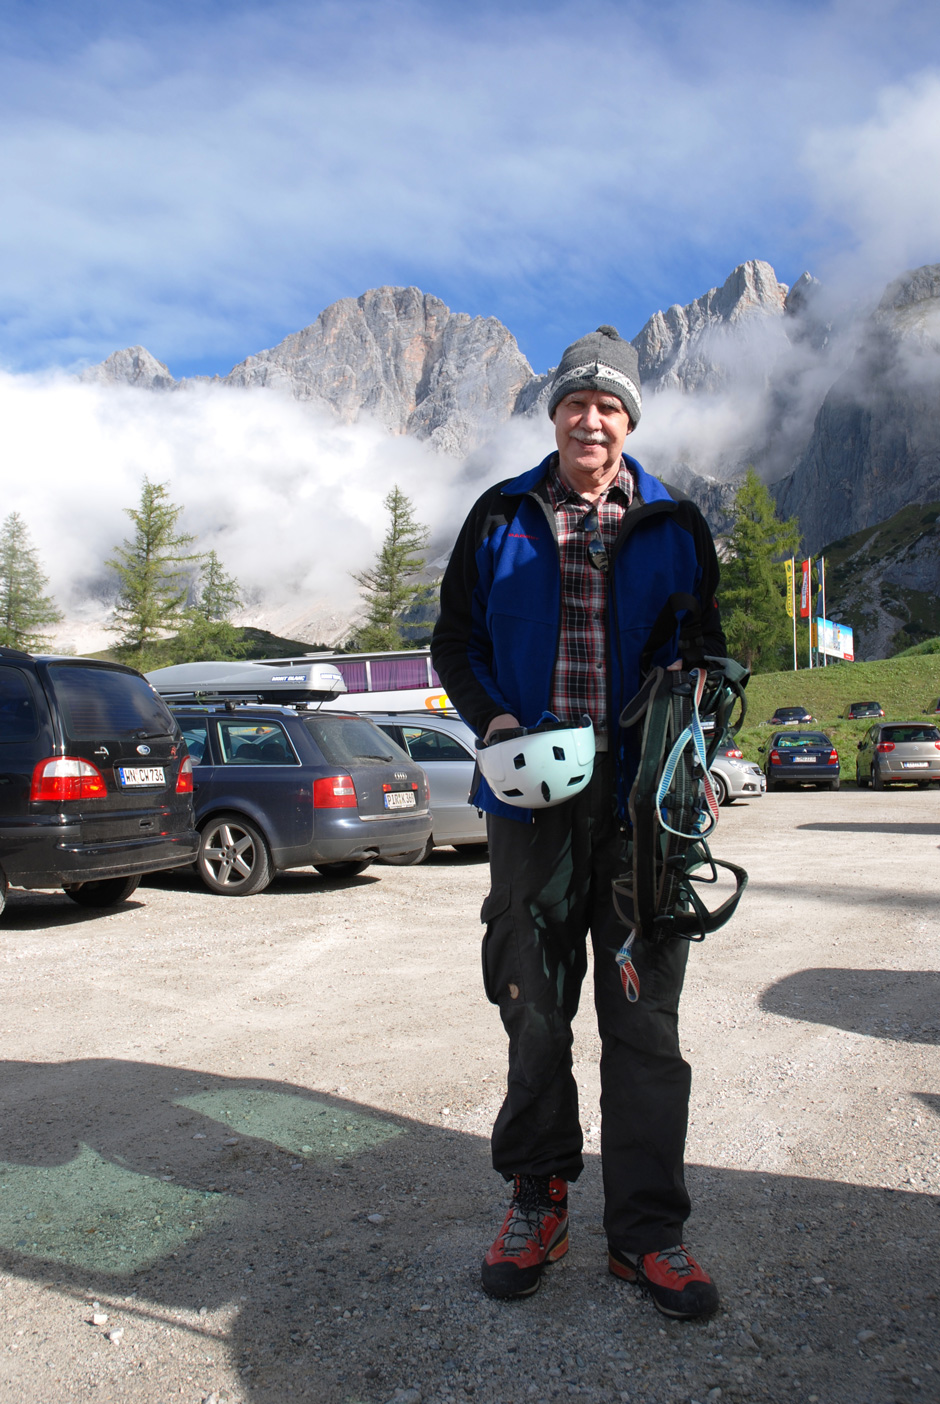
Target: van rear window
x=97 y=703
x=18 y=720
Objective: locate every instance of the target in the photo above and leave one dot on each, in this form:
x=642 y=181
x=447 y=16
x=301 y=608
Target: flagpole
x=822 y=581
x=793 y=606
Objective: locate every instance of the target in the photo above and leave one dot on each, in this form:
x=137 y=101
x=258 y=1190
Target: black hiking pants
x=550 y=886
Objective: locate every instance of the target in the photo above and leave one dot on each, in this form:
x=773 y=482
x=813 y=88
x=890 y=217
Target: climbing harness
x=673 y=808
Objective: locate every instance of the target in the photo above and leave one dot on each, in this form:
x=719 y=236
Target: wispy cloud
x=203 y=179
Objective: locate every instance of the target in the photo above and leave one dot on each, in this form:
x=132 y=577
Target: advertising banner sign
x=788 y=567
x=836 y=640
x=805 y=592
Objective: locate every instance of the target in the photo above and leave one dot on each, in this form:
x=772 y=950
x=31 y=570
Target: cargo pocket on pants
x=496 y=917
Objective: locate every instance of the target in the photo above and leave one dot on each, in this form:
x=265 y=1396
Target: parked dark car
x=277 y=787
x=856 y=711
x=444 y=747
x=899 y=753
x=790 y=716
x=801 y=758
x=95 y=784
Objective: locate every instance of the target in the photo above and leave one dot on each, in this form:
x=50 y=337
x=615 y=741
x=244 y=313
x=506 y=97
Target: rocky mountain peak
x=685 y=347
x=132 y=366
x=404 y=358
x=911 y=304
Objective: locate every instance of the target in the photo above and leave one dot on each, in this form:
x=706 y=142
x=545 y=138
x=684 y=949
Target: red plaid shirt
x=579 y=684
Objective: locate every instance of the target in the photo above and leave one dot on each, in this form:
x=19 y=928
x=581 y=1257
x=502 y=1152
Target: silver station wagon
x=899 y=753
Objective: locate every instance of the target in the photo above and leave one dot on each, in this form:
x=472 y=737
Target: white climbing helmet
x=540 y=766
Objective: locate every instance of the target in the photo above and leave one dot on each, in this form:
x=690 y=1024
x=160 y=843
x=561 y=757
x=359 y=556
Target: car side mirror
x=762 y=749
x=860 y=746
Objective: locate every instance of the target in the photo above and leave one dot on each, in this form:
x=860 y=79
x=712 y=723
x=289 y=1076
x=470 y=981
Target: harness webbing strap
x=673 y=807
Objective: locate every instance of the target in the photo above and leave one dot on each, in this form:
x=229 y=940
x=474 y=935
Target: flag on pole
x=805 y=592
x=788 y=567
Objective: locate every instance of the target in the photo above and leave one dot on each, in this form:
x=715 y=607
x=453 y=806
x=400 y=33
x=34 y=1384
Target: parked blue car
x=279 y=787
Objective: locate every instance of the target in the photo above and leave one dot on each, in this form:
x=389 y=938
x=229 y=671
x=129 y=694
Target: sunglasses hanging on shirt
x=597 y=551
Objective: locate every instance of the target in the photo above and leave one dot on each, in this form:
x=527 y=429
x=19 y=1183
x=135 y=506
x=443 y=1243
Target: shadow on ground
x=350 y=1241
x=902 y=1005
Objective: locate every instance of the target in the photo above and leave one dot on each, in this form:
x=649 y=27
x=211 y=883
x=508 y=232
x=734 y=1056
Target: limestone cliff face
x=697 y=347
x=404 y=358
x=133 y=366
x=875 y=445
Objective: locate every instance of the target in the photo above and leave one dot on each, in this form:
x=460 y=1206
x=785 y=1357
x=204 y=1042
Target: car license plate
x=140 y=775
x=399 y=799
x=804 y=760
x=915 y=765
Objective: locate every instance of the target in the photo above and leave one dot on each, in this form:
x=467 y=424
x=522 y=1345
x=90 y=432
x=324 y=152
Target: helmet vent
x=546 y=793
x=558 y=752
x=519 y=761
x=512 y=794
x=576 y=780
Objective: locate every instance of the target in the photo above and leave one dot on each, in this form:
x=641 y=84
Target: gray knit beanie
x=602 y=360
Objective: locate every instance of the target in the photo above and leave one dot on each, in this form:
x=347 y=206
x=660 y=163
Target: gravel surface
x=243 y=1143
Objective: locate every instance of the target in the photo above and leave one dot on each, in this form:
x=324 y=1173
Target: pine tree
x=389 y=586
x=208 y=632
x=24 y=609
x=154 y=571
x=753 y=588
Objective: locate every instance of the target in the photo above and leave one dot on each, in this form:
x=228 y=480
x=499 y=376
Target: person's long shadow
x=349 y=1240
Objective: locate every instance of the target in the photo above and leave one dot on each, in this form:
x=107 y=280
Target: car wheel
x=233 y=857
x=3 y=893
x=106 y=892
x=834 y=784
x=350 y=868
x=877 y=781
x=720 y=788
x=861 y=780
x=409 y=860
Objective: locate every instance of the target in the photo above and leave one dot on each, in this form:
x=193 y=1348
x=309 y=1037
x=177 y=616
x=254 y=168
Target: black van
x=95 y=783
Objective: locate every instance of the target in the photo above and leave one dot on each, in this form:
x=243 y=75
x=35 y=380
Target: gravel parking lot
x=245 y=1142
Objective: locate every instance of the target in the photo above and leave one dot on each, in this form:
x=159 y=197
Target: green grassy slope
x=902 y=685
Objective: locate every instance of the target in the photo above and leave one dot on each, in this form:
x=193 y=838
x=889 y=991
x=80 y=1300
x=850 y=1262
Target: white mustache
x=590 y=436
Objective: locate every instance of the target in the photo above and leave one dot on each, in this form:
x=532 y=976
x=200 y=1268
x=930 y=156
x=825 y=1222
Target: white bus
x=403 y=681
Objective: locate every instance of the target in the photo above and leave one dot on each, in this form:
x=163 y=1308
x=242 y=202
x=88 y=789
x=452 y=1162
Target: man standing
x=555 y=584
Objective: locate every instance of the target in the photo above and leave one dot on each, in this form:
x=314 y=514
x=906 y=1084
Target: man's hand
x=501 y=723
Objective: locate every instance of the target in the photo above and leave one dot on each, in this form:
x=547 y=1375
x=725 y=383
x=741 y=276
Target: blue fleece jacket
x=495 y=643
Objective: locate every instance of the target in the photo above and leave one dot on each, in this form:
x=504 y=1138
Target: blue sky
x=203 y=178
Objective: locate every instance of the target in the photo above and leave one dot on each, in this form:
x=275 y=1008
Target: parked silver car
x=444 y=747
x=734 y=777
x=899 y=753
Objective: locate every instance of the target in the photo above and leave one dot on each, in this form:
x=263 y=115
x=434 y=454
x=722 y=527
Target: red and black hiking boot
x=678 y=1286
x=534 y=1233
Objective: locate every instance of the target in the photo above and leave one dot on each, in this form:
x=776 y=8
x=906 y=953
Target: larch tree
x=753 y=587
x=390 y=587
x=208 y=631
x=153 y=569
x=25 y=609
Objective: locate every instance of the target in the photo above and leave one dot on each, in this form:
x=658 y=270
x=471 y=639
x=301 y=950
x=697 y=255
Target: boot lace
x=531 y=1203
x=677 y=1261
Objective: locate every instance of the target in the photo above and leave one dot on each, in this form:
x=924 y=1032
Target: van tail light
x=885 y=746
x=62 y=778
x=334 y=792
x=833 y=757
x=184 y=781
x=775 y=758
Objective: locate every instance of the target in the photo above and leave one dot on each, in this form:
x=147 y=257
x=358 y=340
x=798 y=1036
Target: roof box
x=291 y=682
